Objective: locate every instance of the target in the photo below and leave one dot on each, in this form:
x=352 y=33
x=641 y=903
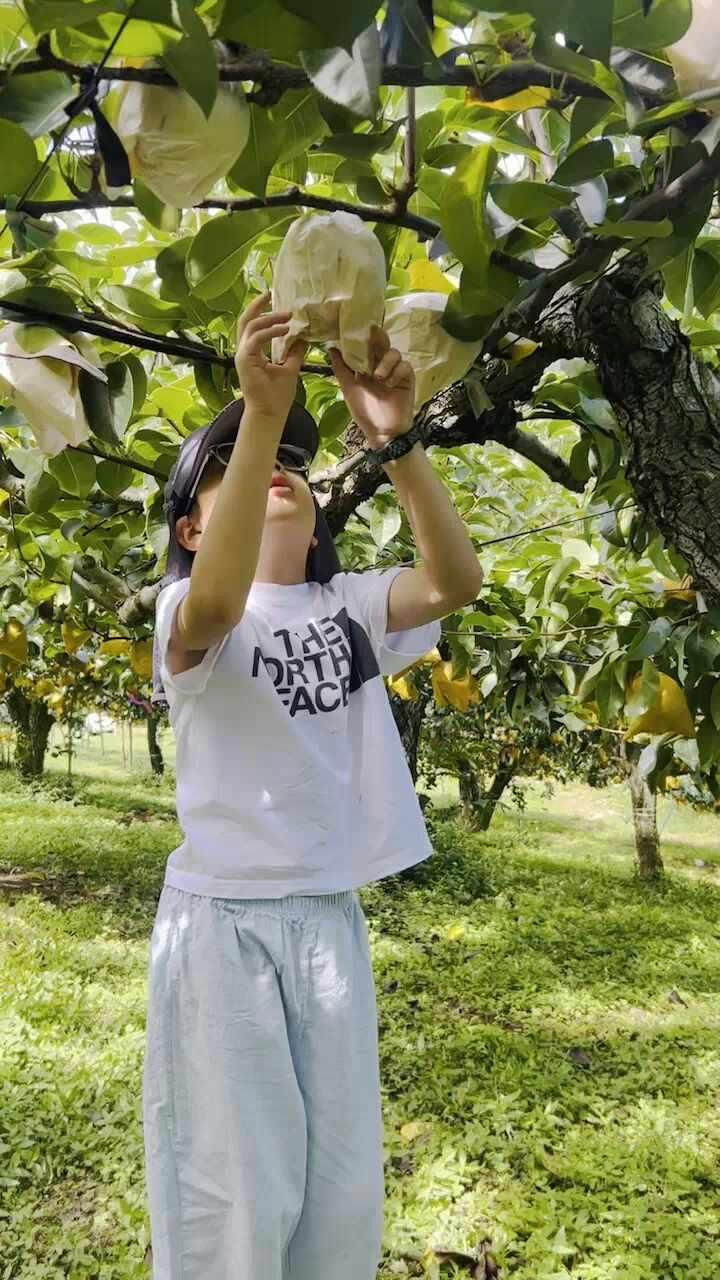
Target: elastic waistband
x=295 y=903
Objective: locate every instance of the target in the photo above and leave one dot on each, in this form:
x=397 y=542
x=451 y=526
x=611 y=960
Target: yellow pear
x=73 y=637
x=141 y=658
x=669 y=713
x=428 y=660
x=13 y=641
x=114 y=648
x=425 y=275
x=680 y=590
x=403 y=688
x=453 y=693
x=42 y=687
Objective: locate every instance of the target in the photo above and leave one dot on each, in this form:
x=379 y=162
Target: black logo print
x=318 y=668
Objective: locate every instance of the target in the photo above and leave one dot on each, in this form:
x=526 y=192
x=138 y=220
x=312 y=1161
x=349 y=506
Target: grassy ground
x=549 y=1037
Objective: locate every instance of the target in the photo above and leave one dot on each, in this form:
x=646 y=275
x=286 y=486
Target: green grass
x=549 y=1032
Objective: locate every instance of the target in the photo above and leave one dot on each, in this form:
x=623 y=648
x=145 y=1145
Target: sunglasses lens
x=223 y=452
x=293 y=459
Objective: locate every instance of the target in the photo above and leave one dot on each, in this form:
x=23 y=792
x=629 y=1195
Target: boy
x=261 y=1091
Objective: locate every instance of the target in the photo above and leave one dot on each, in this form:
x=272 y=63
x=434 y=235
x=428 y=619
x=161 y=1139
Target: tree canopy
x=550 y=169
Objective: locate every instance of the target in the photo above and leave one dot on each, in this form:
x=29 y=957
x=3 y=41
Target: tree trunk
x=33 y=723
x=644 y=810
x=408 y=718
x=470 y=787
x=668 y=402
x=156 y=760
x=479 y=806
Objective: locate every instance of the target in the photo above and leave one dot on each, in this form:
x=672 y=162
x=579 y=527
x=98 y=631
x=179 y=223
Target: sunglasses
x=290 y=457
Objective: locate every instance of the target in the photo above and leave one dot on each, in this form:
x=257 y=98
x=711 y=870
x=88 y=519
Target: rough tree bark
x=644 y=810
x=668 y=404
x=33 y=723
x=478 y=805
x=156 y=758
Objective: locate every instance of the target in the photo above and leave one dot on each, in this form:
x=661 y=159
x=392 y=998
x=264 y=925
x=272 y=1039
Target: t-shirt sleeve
x=366 y=596
x=195 y=679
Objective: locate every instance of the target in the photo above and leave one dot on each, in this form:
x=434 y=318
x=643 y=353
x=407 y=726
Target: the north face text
x=311 y=669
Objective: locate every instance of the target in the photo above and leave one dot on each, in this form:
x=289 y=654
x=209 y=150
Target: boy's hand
x=267 y=388
x=381 y=402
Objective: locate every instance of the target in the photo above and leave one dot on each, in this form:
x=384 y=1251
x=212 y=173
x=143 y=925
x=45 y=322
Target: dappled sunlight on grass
x=548 y=1038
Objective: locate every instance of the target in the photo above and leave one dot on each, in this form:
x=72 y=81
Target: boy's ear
x=187 y=533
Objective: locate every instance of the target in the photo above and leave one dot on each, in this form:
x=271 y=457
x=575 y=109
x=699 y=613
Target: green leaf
x=587 y=114
x=142 y=309
x=192 y=60
x=384 y=524
x=530 y=199
x=218 y=251
x=74 y=471
x=350 y=79
x=666 y=23
x=340 y=24
x=36 y=101
x=587 y=162
x=19 y=159
x=47 y=15
x=361 y=146
x=405 y=36
x=334 y=421
x=267 y=24
x=715 y=703
x=41 y=490
x=633 y=229
x=547 y=51
x=462 y=209
x=163 y=216
x=652 y=641
x=114 y=478
x=121 y=390
x=262 y=149
x=139 y=381
x=95 y=398
x=585 y=22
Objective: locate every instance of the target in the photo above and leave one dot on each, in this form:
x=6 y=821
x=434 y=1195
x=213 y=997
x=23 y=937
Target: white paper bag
x=330 y=274
x=39 y=373
x=412 y=323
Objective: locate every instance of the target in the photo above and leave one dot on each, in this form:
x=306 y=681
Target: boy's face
x=289 y=513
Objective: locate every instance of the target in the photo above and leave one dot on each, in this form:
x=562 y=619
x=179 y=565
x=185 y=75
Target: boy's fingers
x=261 y=337
x=266 y=322
x=340 y=369
x=295 y=355
x=401 y=376
x=388 y=364
x=254 y=309
x=379 y=344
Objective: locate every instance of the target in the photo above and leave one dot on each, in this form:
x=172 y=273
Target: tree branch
x=96 y=452
x=280 y=77
x=75 y=322
x=293 y=197
x=592 y=253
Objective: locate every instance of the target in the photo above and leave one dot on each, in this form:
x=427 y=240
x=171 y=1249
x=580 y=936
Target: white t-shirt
x=291 y=775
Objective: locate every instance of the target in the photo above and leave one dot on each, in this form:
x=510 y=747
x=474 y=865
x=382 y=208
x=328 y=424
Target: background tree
x=559 y=192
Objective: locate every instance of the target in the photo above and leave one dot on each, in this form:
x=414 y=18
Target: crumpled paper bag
x=412 y=323
x=695 y=58
x=330 y=274
x=177 y=151
x=39 y=372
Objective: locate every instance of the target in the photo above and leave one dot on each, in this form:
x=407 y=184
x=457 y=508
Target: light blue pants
x=261 y=1092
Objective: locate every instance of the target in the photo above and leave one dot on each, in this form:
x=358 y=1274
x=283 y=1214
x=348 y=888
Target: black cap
x=301 y=430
